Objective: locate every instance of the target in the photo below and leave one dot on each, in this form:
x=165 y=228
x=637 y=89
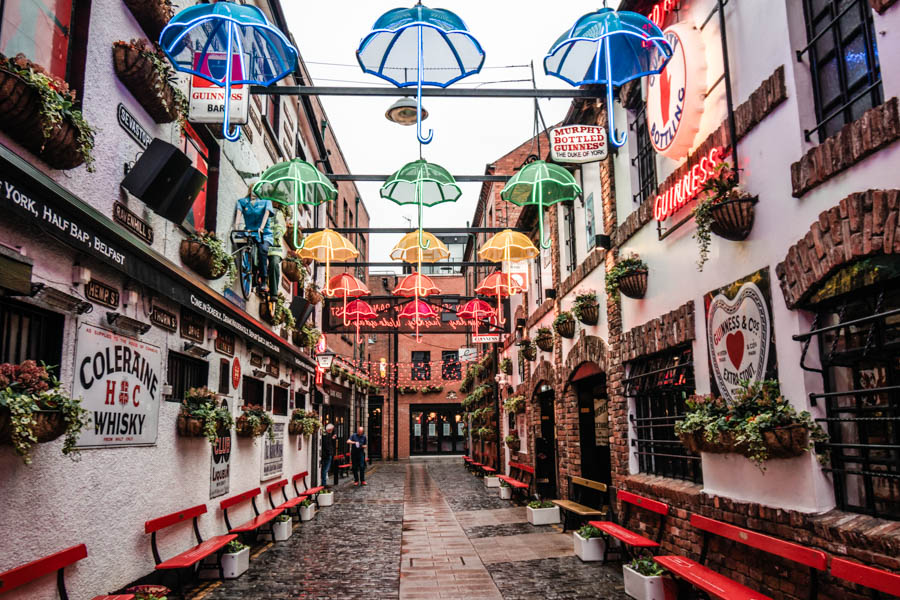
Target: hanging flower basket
x=564 y=324
x=786 y=442
x=513 y=443
x=265 y=314
x=291 y=270
x=313 y=295
x=245 y=428
x=586 y=308
x=733 y=219
x=189 y=426
x=144 y=77
x=544 y=341
x=197 y=254
x=634 y=284
x=289 y=236
x=530 y=352
x=151 y=15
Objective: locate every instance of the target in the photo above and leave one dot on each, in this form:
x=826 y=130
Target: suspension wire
x=356 y=66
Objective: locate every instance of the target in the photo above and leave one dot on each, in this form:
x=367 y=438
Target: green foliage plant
x=235 y=546
x=646 y=566
x=625 y=266
x=536 y=504
x=256 y=417
x=309 y=421
x=222 y=261
x=583 y=300
x=721 y=187
x=514 y=404
x=589 y=531
x=202 y=403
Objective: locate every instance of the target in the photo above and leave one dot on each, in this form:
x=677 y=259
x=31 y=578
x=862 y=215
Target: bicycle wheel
x=245 y=271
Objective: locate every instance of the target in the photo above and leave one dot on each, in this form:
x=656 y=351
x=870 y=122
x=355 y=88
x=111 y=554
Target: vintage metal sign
x=220 y=463
x=193 y=326
x=578 y=144
x=236 y=373
x=99 y=292
x=388 y=321
x=207 y=100
x=132 y=222
x=165 y=319
x=224 y=343
x=119 y=381
x=134 y=129
x=273 y=453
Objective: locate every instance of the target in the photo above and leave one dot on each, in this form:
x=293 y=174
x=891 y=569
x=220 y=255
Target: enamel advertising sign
x=119 y=381
x=207 y=101
x=578 y=144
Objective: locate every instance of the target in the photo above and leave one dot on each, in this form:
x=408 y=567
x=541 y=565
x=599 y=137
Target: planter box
x=325 y=499
x=505 y=493
x=589 y=550
x=235 y=565
x=491 y=481
x=283 y=529
x=307 y=512
x=658 y=587
x=543 y=516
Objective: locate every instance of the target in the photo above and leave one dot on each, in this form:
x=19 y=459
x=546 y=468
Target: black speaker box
x=165 y=180
x=301 y=309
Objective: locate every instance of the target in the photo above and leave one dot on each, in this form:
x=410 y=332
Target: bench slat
x=314 y=491
x=513 y=482
x=292 y=502
x=197 y=553
x=815 y=559
x=588 y=483
x=276 y=486
x=870 y=577
x=299 y=476
x=626 y=535
x=40 y=567
x=176 y=517
x=522 y=467
x=257 y=522
x=708 y=580
x=578 y=509
x=229 y=502
x=651 y=505
x=489 y=469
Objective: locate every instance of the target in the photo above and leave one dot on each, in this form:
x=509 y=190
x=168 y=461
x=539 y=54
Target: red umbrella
x=415 y=285
x=417 y=309
x=349 y=286
x=356 y=311
x=476 y=309
x=496 y=284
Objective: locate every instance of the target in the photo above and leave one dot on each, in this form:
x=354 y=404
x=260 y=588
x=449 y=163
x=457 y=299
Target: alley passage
x=420 y=530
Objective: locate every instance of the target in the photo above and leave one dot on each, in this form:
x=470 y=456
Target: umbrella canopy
x=325 y=246
x=476 y=309
x=611 y=48
x=543 y=184
x=356 y=311
x=497 y=285
x=417 y=309
x=421 y=183
x=347 y=286
x=420 y=46
x=199 y=39
x=508 y=245
x=416 y=284
x=295 y=182
x=408 y=249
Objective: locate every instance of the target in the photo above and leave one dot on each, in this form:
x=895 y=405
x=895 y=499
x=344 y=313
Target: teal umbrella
x=421 y=183
x=542 y=184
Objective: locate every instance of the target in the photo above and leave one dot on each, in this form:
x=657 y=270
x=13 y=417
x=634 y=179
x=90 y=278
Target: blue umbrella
x=611 y=48
x=264 y=55
x=420 y=46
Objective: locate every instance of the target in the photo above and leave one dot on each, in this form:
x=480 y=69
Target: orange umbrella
x=409 y=250
x=508 y=246
x=415 y=285
x=325 y=246
x=356 y=311
x=350 y=287
x=476 y=309
x=501 y=287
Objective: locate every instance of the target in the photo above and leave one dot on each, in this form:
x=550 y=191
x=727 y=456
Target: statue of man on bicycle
x=258 y=271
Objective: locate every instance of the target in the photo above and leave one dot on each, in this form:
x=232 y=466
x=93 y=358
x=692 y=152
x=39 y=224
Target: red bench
x=307 y=491
x=287 y=505
x=870 y=577
x=259 y=520
x=629 y=538
x=720 y=586
x=524 y=475
x=44 y=566
x=189 y=558
x=343 y=465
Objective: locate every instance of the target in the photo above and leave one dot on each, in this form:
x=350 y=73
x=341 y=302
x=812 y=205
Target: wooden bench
x=870 y=577
x=44 y=566
x=189 y=558
x=584 y=493
x=307 y=491
x=520 y=478
x=258 y=523
x=287 y=505
x=344 y=465
x=719 y=586
x=629 y=538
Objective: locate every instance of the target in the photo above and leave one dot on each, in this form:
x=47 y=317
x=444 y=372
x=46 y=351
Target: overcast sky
x=468 y=133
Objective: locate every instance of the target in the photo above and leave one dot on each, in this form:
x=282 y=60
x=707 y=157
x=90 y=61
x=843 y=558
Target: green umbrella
x=295 y=182
x=543 y=184
x=421 y=183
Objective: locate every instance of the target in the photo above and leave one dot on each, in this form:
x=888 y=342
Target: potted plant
x=205 y=253
x=292 y=268
x=646 y=580
x=544 y=339
x=150 y=591
x=586 y=308
x=313 y=295
x=152 y=15
x=506 y=365
x=307 y=510
x=491 y=481
x=629 y=276
x=505 y=491
x=34 y=409
x=514 y=404
x=304 y=423
x=280 y=313
x=589 y=544
x=201 y=416
x=254 y=422
x=235 y=559
x=282 y=527
x=307 y=336
x=38 y=110
x=513 y=442
x=151 y=80
x=528 y=350
x=325 y=498
x=724 y=209
x=564 y=324
x=542 y=512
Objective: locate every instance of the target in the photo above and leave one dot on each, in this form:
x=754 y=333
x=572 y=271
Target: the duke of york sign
x=739 y=337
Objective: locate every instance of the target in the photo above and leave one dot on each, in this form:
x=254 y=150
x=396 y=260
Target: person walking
x=358 y=443
x=329 y=448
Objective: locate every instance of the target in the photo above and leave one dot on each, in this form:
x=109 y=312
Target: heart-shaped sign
x=738 y=336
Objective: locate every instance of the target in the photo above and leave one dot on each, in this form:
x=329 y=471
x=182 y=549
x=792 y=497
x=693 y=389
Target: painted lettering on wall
x=686 y=189
x=661 y=10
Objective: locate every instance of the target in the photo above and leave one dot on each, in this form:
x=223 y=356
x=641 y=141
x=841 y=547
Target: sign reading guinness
x=193 y=326
x=163 y=318
x=132 y=222
x=102 y=293
x=134 y=129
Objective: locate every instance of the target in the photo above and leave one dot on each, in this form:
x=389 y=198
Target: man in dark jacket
x=329 y=446
x=358 y=443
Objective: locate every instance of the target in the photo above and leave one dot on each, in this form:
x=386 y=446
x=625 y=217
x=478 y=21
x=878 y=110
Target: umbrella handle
x=610 y=108
x=423 y=245
x=545 y=243
x=236 y=134
x=420 y=66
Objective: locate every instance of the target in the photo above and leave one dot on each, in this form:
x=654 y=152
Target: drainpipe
x=732 y=129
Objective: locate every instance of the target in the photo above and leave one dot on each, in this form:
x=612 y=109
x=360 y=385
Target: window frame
x=50 y=325
x=644 y=160
x=180 y=387
x=420 y=370
x=451 y=368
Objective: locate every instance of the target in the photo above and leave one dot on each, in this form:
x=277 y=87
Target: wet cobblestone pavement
x=419 y=530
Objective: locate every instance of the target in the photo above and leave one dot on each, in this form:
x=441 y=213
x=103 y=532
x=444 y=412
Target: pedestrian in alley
x=329 y=447
x=358 y=443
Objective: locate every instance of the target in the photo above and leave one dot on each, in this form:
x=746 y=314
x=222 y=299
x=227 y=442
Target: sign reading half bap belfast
x=119 y=381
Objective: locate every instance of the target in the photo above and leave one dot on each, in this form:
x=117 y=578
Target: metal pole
x=495 y=356
x=732 y=130
x=458 y=178
x=434 y=230
x=396 y=396
x=313 y=90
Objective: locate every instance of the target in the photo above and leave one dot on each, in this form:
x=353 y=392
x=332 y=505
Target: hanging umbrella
x=408 y=249
x=292 y=183
x=356 y=311
x=255 y=51
x=420 y=46
x=497 y=285
x=325 y=246
x=543 y=184
x=476 y=309
x=418 y=310
x=416 y=285
x=610 y=48
x=421 y=183
x=508 y=246
x=348 y=286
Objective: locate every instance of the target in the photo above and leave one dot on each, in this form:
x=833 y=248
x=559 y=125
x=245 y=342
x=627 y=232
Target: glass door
x=436 y=429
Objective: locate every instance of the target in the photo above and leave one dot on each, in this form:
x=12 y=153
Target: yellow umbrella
x=408 y=249
x=508 y=246
x=325 y=246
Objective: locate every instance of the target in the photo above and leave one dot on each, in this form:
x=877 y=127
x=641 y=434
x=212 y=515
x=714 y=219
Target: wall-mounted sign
x=518 y=271
x=273 y=369
x=578 y=144
x=165 y=319
x=273 y=453
x=675 y=96
x=739 y=334
x=134 y=129
x=256 y=360
x=193 y=326
x=468 y=354
x=220 y=463
x=132 y=222
x=101 y=293
x=118 y=379
x=661 y=10
x=674 y=197
x=207 y=100
x=236 y=373
x=490 y=338
x=225 y=343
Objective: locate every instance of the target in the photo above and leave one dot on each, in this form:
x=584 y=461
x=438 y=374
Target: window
x=644 y=157
x=843 y=62
x=184 y=373
x=857 y=328
x=421 y=367
x=451 y=370
x=253 y=392
x=539 y=277
x=569 y=231
x=589 y=222
x=279 y=400
x=194 y=147
x=273 y=114
x=660 y=385
x=450 y=307
x=30 y=333
x=224 y=376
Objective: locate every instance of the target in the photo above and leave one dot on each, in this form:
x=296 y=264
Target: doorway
x=593 y=428
x=545 y=445
x=376 y=404
x=436 y=429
